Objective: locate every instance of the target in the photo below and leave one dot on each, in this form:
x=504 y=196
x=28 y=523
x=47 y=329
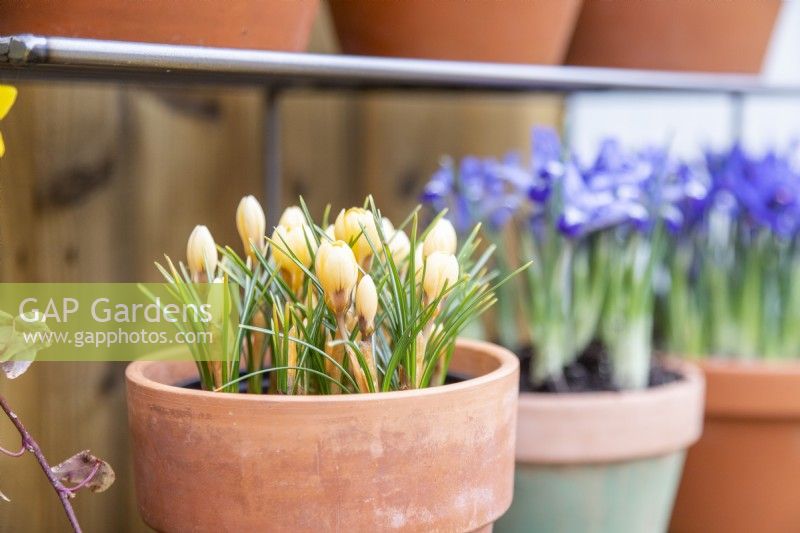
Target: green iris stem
x=628 y=319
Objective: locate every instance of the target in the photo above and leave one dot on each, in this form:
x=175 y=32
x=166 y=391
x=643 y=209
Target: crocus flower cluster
x=735 y=270
x=594 y=231
x=356 y=305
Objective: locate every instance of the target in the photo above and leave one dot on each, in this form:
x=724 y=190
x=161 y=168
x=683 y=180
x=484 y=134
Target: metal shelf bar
x=36 y=57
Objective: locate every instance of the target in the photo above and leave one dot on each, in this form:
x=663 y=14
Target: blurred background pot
x=706 y=35
x=438 y=459
x=743 y=474
x=262 y=24
x=603 y=462
x=513 y=31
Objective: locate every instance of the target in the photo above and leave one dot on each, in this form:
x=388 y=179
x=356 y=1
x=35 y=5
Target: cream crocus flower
x=399 y=246
x=296 y=240
x=337 y=271
x=348 y=228
x=440 y=238
x=387 y=227
x=8 y=95
x=366 y=305
x=330 y=232
x=299 y=241
x=292 y=216
x=441 y=270
x=251 y=224
x=201 y=253
x=419 y=263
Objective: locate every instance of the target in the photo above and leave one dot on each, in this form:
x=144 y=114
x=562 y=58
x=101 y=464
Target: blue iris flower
x=618 y=188
x=765 y=190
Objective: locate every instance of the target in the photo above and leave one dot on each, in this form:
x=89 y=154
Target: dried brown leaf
x=80 y=466
x=14 y=369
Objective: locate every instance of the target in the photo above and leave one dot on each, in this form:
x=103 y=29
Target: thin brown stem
x=32 y=446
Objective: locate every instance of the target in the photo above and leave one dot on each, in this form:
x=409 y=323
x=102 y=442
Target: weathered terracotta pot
x=439 y=459
x=744 y=473
x=263 y=24
x=514 y=31
x=603 y=462
x=704 y=35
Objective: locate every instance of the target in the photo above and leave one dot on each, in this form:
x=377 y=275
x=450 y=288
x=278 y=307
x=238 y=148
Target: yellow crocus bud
x=440 y=238
x=422 y=346
x=296 y=240
x=201 y=253
x=251 y=224
x=387 y=227
x=337 y=271
x=399 y=246
x=292 y=216
x=348 y=228
x=366 y=304
x=291 y=360
x=441 y=270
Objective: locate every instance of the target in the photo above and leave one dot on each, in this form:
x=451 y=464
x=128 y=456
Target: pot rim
x=762 y=367
x=611 y=426
x=752 y=388
x=136 y=374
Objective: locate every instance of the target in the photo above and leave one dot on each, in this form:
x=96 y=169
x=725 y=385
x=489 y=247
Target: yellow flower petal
x=2 y=146
x=8 y=94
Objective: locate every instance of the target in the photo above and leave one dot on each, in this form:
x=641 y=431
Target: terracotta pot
x=264 y=24
x=603 y=462
x=439 y=459
x=744 y=473
x=705 y=35
x=516 y=31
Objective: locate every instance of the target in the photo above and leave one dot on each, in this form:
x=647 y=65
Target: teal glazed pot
x=606 y=462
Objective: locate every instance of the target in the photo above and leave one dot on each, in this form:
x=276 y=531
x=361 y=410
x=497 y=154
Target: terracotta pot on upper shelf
x=606 y=462
x=744 y=473
x=437 y=459
x=262 y=24
x=699 y=35
x=511 y=31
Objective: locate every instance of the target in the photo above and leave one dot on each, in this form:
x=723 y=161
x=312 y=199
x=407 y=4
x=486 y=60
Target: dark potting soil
x=591 y=372
x=194 y=384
